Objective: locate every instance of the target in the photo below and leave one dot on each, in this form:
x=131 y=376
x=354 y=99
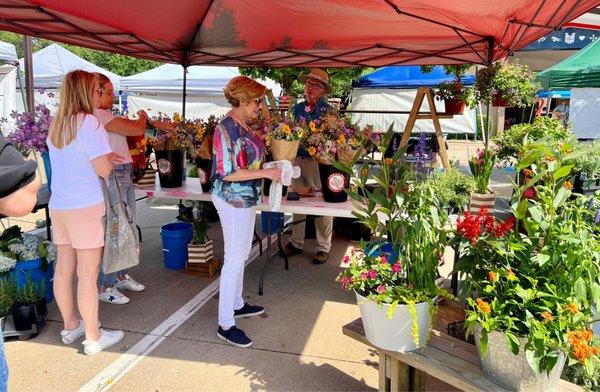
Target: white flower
x=6 y=262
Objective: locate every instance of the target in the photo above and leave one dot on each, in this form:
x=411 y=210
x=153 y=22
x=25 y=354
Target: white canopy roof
x=201 y=80
x=53 y=62
x=8 y=52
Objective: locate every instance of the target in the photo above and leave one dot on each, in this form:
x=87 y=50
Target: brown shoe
x=290 y=250
x=320 y=257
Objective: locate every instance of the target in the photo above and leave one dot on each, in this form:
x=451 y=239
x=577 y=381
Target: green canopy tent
x=580 y=70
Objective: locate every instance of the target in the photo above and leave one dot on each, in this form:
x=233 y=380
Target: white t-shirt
x=75 y=184
x=118 y=143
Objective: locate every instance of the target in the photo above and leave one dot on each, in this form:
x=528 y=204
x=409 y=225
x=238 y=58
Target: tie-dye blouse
x=236 y=148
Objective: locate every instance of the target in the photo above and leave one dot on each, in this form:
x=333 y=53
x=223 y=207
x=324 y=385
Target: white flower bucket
x=394 y=334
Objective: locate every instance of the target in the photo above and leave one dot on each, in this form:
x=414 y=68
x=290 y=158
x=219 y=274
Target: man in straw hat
x=316 y=85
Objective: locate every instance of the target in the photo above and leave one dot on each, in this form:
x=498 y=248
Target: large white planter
x=393 y=334
x=513 y=371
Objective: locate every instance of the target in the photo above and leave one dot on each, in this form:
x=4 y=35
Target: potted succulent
x=200 y=250
x=509 y=84
x=481 y=166
x=532 y=279
x=391 y=291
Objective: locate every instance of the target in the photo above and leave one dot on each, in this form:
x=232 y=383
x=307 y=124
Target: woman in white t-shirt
x=79 y=153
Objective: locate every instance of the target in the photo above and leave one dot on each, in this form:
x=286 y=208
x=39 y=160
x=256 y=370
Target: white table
x=315 y=206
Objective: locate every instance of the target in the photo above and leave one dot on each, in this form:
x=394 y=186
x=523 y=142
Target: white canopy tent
x=160 y=90
x=394 y=99
x=8 y=53
x=8 y=78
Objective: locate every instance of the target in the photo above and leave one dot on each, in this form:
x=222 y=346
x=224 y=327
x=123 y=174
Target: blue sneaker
x=248 y=311
x=234 y=336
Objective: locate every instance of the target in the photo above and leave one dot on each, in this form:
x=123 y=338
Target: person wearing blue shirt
x=316 y=85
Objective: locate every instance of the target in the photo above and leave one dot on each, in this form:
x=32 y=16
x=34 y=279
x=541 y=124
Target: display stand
x=416 y=114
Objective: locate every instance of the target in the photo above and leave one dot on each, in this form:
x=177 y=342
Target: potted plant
x=452 y=187
x=390 y=294
x=508 y=84
x=202 y=150
x=30 y=131
x=7 y=299
x=481 y=166
x=532 y=279
x=453 y=93
x=34 y=258
x=587 y=167
x=30 y=308
x=200 y=250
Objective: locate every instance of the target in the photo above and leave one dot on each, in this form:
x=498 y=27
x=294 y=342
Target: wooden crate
x=203 y=269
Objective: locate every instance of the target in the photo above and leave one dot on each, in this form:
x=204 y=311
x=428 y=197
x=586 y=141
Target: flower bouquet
x=283 y=138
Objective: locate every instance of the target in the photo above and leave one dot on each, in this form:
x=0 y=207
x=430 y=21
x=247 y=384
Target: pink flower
x=529 y=193
x=346 y=259
x=371 y=274
x=396 y=267
x=384 y=258
x=363 y=276
x=381 y=289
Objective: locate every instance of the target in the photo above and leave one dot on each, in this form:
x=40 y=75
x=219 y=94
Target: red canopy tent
x=306 y=33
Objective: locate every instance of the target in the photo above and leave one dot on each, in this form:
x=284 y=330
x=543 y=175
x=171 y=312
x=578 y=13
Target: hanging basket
x=499 y=100
x=454 y=106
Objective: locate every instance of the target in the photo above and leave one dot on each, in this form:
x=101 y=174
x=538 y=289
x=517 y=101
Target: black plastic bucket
x=333 y=183
x=204 y=170
x=170 y=165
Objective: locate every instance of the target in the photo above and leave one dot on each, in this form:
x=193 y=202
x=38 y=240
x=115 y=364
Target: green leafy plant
x=578 y=374
x=481 y=166
x=30 y=292
x=200 y=222
x=510 y=141
x=537 y=274
x=193 y=172
x=452 y=187
x=7 y=295
x=513 y=81
x=588 y=163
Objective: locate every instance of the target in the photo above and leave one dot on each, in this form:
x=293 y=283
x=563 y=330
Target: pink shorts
x=82 y=228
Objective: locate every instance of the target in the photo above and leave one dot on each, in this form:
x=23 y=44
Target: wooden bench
x=446 y=358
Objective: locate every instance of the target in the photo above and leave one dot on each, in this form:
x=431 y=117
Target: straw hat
x=319 y=75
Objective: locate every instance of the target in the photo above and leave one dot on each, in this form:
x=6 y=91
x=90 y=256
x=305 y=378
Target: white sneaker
x=113 y=296
x=69 y=337
x=129 y=284
x=107 y=339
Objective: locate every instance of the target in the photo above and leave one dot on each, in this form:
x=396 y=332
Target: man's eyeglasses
x=314 y=84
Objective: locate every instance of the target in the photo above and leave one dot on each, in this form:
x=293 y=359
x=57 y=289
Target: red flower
x=504 y=227
x=469 y=227
x=529 y=193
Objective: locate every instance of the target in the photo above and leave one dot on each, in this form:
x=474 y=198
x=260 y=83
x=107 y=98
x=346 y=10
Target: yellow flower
x=176 y=118
x=547 y=316
x=312 y=126
x=483 y=306
x=341 y=140
x=568 y=185
x=572 y=308
x=286 y=129
x=312 y=150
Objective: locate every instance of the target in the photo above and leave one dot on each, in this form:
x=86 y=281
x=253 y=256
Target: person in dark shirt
x=316 y=85
x=18 y=194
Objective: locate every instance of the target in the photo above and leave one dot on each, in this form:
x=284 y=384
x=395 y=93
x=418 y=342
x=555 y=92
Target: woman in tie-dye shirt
x=238 y=155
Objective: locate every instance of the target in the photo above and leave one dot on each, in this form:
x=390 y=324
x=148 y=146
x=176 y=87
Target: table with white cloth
x=315 y=206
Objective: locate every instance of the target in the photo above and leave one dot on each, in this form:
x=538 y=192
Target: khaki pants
x=309 y=177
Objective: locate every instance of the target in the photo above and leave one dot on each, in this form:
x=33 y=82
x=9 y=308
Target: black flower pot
x=26 y=316
x=204 y=167
x=333 y=183
x=171 y=166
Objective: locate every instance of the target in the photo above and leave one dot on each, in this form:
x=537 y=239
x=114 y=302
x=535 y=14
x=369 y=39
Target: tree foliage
x=341 y=78
x=116 y=63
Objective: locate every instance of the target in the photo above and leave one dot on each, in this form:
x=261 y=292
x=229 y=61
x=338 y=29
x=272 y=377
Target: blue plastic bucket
x=33 y=268
x=175 y=238
x=374 y=249
x=276 y=221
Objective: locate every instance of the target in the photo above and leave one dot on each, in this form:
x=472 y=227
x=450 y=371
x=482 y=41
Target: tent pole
x=184 y=91
x=28 y=65
x=487 y=125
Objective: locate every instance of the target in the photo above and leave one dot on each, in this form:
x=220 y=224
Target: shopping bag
x=121 y=250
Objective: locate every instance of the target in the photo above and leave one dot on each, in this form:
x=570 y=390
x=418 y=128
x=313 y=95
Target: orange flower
x=547 y=316
x=492 y=276
x=572 y=308
x=580 y=346
x=483 y=306
x=528 y=173
x=568 y=185
x=388 y=161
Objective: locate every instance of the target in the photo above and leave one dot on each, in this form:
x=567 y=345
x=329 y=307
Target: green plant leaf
x=562 y=171
x=513 y=343
x=533 y=360
x=562 y=195
x=580 y=289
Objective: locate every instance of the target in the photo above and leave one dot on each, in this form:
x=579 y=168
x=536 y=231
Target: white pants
x=309 y=177
x=238 y=231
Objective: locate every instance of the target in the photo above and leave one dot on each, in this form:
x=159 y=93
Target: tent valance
x=408 y=77
x=325 y=33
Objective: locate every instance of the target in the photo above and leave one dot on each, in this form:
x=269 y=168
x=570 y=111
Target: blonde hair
x=243 y=89
x=102 y=79
x=75 y=98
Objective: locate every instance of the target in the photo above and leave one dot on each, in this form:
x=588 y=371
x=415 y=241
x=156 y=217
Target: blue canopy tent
x=408 y=77
x=394 y=89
